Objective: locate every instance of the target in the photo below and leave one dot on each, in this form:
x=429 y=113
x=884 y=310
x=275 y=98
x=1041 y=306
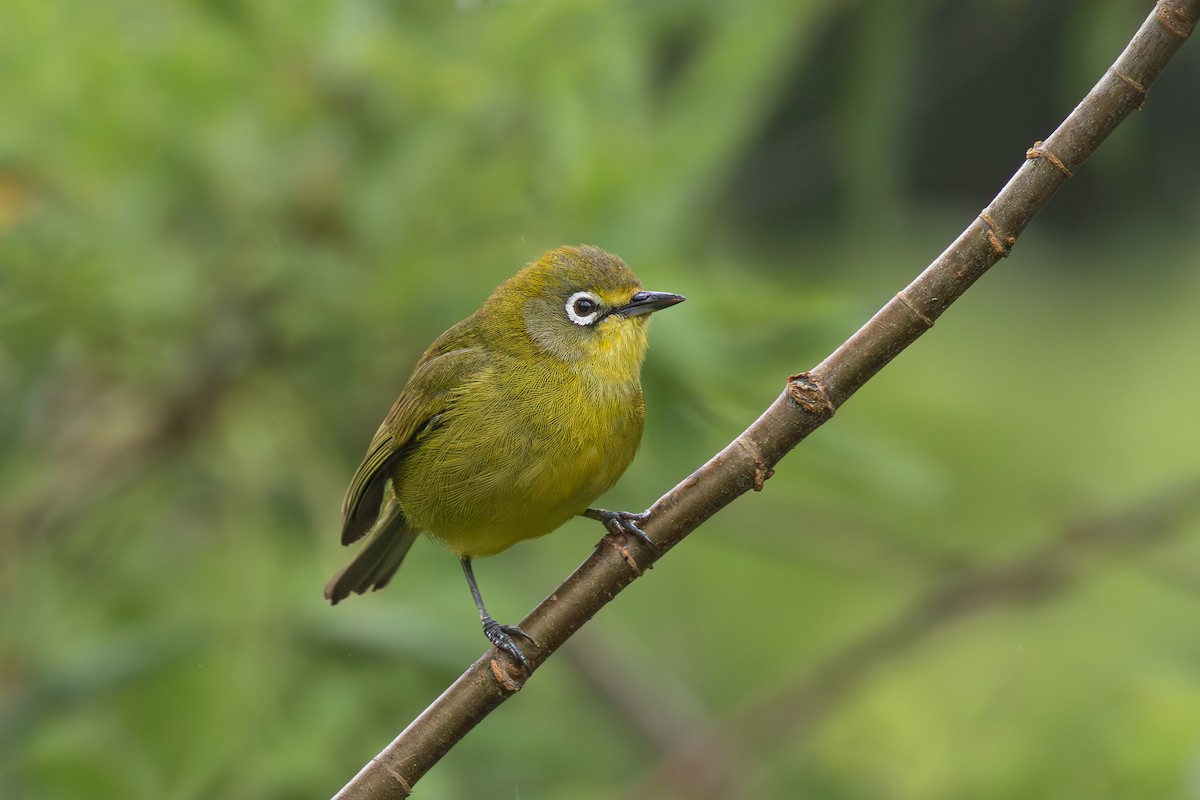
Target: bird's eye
x=583 y=308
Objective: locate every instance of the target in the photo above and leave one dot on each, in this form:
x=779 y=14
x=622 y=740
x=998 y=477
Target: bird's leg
x=622 y=522
x=497 y=634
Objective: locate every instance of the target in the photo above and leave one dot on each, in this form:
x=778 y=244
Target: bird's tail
x=381 y=555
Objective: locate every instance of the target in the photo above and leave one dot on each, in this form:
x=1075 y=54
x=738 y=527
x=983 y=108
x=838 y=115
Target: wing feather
x=368 y=508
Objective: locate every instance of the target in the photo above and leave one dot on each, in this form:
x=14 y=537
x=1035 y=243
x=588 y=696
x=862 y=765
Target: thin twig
x=658 y=716
x=807 y=402
x=1046 y=569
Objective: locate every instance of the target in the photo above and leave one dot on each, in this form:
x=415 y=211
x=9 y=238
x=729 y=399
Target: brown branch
x=1031 y=577
x=807 y=402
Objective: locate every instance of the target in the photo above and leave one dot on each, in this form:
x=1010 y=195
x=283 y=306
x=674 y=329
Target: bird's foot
x=625 y=522
x=502 y=637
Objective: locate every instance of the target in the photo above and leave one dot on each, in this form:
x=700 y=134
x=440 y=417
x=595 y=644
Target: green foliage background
x=227 y=230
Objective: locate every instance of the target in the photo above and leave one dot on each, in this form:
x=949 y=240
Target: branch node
x=625 y=554
x=1039 y=151
x=1174 y=20
x=810 y=394
x=505 y=678
x=1000 y=241
x=1137 y=87
x=396 y=775
x=924 y=320
x=761 y=470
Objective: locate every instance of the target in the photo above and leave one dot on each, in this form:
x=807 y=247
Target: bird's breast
x=512 y=461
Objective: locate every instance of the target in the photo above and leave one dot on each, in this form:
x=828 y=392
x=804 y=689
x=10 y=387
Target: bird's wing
x=454 y=359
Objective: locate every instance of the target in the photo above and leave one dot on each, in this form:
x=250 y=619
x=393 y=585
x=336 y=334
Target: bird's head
x=582 y=306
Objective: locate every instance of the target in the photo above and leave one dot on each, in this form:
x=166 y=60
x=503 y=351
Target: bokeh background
x=227 y=231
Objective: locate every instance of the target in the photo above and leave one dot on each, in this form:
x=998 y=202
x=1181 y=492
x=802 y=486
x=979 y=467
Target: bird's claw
x=502 y=637
x=625 y=522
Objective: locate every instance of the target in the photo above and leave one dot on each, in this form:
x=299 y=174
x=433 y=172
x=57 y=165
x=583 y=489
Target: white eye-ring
x=583 y=308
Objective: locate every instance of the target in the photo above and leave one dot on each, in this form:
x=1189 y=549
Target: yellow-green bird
x=513 y=421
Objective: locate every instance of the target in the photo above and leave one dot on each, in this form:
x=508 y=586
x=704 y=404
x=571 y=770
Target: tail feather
x=375 y=564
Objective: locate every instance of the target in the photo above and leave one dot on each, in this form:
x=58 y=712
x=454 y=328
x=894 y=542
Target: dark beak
x=646 y=302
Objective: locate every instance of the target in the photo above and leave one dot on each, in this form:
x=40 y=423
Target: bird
x=513 y=421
